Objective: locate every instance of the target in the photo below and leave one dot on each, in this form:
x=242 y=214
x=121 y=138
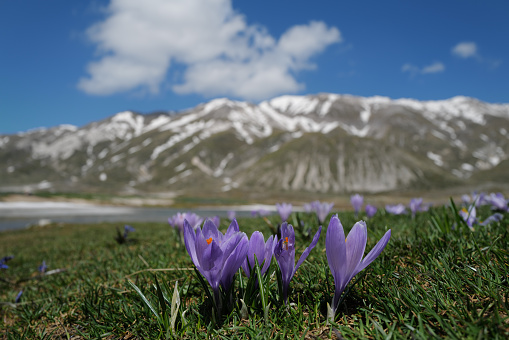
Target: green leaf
x=147 y=302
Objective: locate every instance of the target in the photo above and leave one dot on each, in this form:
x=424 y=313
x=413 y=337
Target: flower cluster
x=177 y=220
x=469 y=215
x=284 y=210
x=322 y=209
x=357 y=202
x=219 y=256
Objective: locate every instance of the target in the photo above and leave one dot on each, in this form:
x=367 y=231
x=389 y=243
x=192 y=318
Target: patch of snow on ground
x=44 y=185
x=365 y=113
x=297 y=134
x=438 y=134
x=437 y=159
x=489 y=156
x=329 y=127
x=62 y=148
x=185 y=132
x=458 y=173
x=134 y=121
x=273 y=148
x=103 y=153
x=214 y=128
x=181 y=121
x=103 y=177
x=325 y=108
x=295 y=104
x=216 y=104
x=116 y=158
x=503 y=131
x=134 y=149
x=244 y=135
x=461 y=125
x=180 y=167
x=352 y=130
x=4 y=141
x=180 y=176
x=484 y=138
x=467 y=167
x=10 y=169
x=196 y=161
x=157 y=122
x=222 y=165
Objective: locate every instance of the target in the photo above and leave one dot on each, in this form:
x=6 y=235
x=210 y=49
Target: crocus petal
x=373 y=254
x=355 y=246
x=234 y=227
x=269 y=251
x=286 y=260
x=234 y=260
x=190 y=242
x=206 y=253
x=210 y=231
x=256 y=247
x=308 y=250
x=335 y=248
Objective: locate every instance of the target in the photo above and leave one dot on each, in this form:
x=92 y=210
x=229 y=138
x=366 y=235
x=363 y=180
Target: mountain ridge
x=324 y=143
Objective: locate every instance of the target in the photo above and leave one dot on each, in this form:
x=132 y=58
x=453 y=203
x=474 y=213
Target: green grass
x=431 y=281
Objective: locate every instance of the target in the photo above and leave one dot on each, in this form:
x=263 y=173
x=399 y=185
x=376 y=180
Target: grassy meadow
x=436 y=278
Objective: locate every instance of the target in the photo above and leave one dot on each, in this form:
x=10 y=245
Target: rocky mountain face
x=324 y=143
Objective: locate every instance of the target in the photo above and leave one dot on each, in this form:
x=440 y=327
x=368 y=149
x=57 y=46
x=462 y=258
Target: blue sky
x=74 y=62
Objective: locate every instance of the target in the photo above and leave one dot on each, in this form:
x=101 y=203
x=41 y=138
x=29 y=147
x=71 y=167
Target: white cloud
x=465 y=50
x=140 y=41
x=436 y=67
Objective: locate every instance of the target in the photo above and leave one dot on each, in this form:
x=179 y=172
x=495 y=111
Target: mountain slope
x=324 y=143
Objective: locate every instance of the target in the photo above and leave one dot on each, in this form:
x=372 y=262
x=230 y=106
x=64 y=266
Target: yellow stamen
x=285 y=243
x=209 y=240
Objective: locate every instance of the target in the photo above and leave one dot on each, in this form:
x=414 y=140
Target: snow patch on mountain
x=295 y=104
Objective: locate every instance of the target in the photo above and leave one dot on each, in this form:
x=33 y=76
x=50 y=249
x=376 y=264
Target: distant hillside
x=324 y=143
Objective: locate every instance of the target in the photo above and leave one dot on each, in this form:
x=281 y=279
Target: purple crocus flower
x=177 y=221
x=322 y=209
x=284 y=210
x=216 y=220
x=128 y=229
x=465 y=199
x=498 y=202
x=397 y=209
x=357 y=202
x=231 y=215
x=415 y=205
x=496 y=217
x=370 y=210
x=469 y=216
x=4 y=260
x=479 y=198
x=345 y=258
x=18 y=297
x=262 y=250
x=285 y=255
x=43 y=267
x=216 y=256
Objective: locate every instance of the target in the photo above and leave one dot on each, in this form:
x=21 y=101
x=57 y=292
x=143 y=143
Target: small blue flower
x=18 y=297
x=42 y=268
x=5 y=259
x=128 y=229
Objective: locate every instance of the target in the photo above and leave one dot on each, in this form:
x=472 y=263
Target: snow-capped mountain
x=326 y=143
